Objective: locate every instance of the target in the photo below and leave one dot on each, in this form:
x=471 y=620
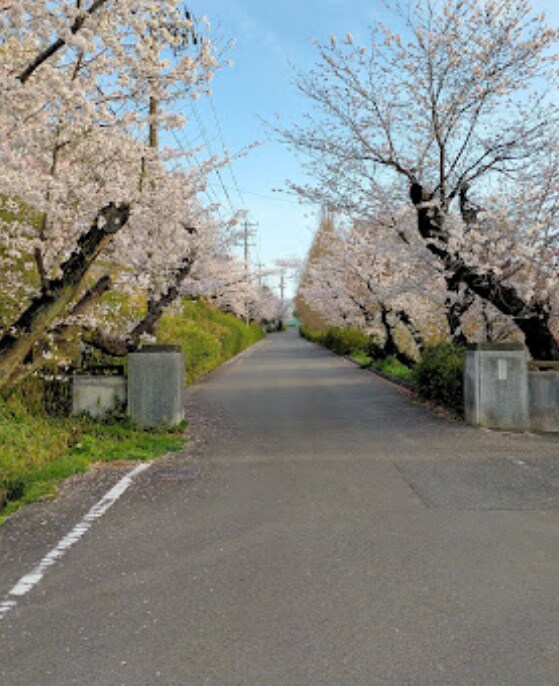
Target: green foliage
x=207 y=336
x=439 y=375
x=39 y=451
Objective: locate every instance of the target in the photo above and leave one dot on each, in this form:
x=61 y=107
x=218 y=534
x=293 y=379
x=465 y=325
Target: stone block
x=98 y=396
x=156 y=385
x=496 y=387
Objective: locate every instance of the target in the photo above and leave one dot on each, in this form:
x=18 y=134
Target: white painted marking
x=29 y=581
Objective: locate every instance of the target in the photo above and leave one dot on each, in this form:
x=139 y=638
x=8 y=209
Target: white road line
x=29 y=581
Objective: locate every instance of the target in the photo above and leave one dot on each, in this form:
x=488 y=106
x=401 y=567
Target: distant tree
x=378 y=277
x=317 y=316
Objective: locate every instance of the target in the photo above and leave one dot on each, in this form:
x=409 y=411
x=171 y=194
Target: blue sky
x=271 y=37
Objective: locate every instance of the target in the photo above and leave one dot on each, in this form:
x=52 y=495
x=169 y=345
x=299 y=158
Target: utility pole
x=187 y=39
x=259 y=267
x=282 y=285
x=248 y=233
x=283 y=266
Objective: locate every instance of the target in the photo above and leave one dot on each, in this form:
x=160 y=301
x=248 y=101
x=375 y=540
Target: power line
x=209 y=189
x=271 y=197
x=230 y=166
x=209 y=147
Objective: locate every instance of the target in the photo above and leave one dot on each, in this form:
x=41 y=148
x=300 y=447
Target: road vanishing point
x=323 y=528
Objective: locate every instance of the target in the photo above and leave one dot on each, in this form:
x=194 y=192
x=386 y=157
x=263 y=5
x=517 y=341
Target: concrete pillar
x=98 y=396
x=496 y=386
x=156 y=385
x=544 y=400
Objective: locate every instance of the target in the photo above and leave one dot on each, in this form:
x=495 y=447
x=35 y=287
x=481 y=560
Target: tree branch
x=119 y=346
x=22 y=336
x=46 y=54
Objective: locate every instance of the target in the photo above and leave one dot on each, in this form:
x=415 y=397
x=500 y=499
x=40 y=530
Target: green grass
x=38 y=452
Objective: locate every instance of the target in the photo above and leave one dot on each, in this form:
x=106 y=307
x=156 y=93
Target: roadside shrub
x=439 y=375
x=201 y=348
x=362 y=359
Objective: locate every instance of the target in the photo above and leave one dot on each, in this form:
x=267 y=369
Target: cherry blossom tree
x=229 y=286
x=189 y=258
x=455 y=102
x=73 y=84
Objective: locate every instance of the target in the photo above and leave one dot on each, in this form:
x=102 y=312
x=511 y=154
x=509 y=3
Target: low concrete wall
x=156 y=385
x=98 y=396
x=496 y=387
x=544 y=401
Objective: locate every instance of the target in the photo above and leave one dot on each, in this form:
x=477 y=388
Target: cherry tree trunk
x=55 y=297
x=121 y=346
x=458 y=302
x=532 y=319
x=390 y=348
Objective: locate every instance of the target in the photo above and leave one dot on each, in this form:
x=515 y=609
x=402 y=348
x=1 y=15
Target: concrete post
x=544 y=400
x=496 y=386
x=156 y=385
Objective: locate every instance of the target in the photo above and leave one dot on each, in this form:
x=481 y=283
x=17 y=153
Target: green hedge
x=311 y=335
x=439 y=375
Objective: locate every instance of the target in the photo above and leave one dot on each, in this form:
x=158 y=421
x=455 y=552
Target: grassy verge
x=38 y=451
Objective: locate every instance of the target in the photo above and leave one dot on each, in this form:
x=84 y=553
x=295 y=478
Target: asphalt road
x=323 y=529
